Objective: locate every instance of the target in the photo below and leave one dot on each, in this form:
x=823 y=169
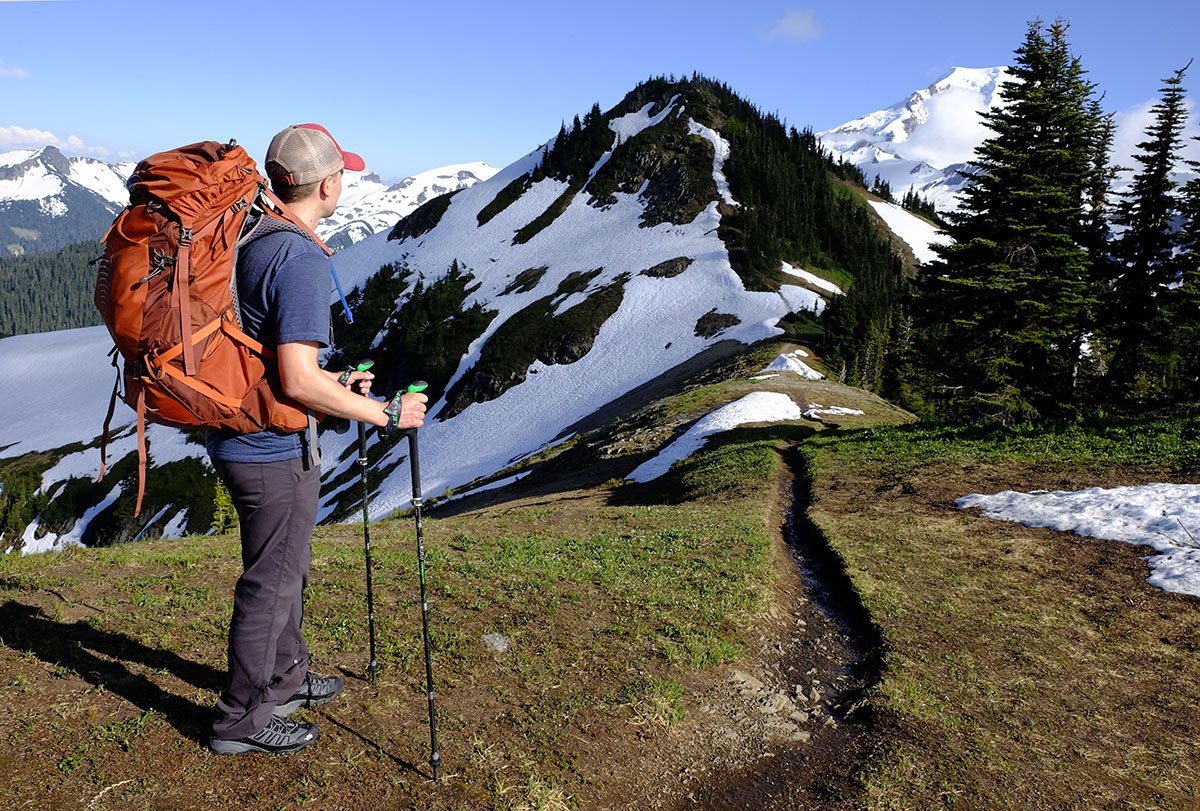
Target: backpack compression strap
x=182 y=291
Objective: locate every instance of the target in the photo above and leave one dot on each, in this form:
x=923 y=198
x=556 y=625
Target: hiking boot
x=280 y=736
x=315 y=691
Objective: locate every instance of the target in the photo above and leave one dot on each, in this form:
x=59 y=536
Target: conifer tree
x=1184 y=301
x=1008 y=303
x=1146 y=263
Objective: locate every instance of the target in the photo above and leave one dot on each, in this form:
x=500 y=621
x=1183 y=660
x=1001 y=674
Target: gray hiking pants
x=268 y=658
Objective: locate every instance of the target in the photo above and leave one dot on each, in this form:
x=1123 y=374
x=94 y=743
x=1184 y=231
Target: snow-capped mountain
x=48 y=200
x=923 y=141
x=369 y=206
x=599 y=262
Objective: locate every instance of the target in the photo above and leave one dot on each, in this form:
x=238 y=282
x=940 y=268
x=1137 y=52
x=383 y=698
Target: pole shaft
x=435 y=758
x=373 y=667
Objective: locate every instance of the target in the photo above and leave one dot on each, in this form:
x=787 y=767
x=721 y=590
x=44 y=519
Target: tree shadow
x=84 y=649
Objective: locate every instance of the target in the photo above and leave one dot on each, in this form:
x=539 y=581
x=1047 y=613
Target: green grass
x=612 y=612
x=1151 y=441
x=1023 y=668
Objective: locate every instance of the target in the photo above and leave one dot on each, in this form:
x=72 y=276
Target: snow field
x=34 y=184
x=73 y=536
x=760 y=406
x=1165 y=517
x=919 y=234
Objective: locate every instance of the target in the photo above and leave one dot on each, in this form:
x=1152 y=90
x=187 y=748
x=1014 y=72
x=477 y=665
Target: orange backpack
x=167 y=292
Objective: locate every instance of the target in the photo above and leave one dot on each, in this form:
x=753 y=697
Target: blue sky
x=416 y=85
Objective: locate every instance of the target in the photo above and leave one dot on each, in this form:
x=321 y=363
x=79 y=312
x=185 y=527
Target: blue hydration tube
x=338 y=285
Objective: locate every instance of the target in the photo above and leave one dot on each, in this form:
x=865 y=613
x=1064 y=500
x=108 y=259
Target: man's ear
x=325 y=187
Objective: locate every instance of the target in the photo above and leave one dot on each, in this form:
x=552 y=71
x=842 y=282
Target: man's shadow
x=80 y=647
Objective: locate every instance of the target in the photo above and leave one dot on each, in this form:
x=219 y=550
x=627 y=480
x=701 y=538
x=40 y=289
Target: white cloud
x=18 y=137
x=1131 y=130
x=801 y=26
x=952 y=131
x=8 y=71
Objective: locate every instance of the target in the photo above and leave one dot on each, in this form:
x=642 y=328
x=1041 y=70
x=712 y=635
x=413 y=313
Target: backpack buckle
x=185 y=236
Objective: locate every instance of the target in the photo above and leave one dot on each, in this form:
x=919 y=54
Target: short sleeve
x=299 y=294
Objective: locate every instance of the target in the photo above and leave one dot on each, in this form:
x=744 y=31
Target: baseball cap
x=306 y=153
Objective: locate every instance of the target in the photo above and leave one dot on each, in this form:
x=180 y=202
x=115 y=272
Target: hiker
x=283 y=283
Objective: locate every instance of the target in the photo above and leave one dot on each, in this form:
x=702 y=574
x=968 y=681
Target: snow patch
x=760 y=406
x=496 y=485
x=720 y=155
x=801 y=299
x=813 y=279
x=1165 y=517
x=177 y=526
x=630 y=124
x=791 y=363
x=815 y=411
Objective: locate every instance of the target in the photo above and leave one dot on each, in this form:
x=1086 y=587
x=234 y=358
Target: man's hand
x=352 y=379
x=404 y=411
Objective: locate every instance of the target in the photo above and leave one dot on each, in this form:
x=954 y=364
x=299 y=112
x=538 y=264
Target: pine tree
x=1007 y=306
x=1145 y=255
x=1095 y=240
x=1184 y=300
x=225 y=518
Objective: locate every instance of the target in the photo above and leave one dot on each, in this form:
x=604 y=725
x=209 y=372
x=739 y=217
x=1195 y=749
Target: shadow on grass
x=98 y=658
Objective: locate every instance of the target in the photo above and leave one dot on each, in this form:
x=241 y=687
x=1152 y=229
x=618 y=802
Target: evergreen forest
x=41 y=292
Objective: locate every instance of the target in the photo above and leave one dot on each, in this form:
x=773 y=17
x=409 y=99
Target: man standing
x=283 y=284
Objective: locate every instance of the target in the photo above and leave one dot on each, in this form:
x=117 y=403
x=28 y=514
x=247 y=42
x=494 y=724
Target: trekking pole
x=435 y=757
x=373 y=667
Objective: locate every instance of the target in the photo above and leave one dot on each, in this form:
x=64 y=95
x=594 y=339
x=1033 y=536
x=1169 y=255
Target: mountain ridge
x=639 y=239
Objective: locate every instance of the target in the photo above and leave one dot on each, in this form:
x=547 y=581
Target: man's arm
x=307 y=383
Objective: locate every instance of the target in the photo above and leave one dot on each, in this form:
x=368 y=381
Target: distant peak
x=51 y=156
x=980 y=80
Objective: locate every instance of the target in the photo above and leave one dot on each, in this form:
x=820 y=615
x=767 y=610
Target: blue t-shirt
x=283 y=282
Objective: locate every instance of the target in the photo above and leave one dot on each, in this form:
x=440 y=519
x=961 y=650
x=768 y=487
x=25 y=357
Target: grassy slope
x=1024 y=668
x=111 y=658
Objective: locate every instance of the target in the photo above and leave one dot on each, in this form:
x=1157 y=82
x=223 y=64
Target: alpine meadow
x=763 y=467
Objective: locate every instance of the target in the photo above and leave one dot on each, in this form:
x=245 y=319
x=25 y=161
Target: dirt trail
x=825 y=664
x=786 y=727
